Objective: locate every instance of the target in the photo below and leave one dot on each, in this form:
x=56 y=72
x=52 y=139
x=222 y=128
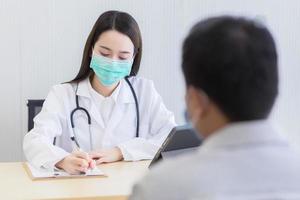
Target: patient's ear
x=197 y=103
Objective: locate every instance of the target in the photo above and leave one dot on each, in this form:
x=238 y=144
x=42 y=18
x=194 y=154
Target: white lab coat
x=243 y=161
x=54 y=121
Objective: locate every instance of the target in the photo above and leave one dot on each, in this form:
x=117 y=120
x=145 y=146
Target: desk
x=16 y=184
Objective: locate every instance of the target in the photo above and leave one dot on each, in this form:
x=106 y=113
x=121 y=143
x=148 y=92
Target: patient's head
x=230 y=69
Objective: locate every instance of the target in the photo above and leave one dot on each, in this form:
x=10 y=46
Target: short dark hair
x=234 y=61
x=111 y=20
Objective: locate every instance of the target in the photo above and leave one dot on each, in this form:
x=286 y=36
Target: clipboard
x=44 y=174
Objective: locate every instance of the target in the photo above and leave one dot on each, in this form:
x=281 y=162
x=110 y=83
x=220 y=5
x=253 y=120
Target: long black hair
x=111 y=20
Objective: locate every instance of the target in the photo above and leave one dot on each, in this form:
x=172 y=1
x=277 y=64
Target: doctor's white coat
x=54 y=122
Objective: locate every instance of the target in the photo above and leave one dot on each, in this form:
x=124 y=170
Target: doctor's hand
x=106 y=155
x=76 y=163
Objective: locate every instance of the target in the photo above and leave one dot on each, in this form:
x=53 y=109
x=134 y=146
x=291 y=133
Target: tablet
x=181 y=139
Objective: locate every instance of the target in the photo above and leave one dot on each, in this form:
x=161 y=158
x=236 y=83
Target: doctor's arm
x=161 y=122
x=38 y=143
x=49 y=124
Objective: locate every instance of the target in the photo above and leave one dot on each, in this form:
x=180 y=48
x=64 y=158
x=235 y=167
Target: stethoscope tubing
x=79 y=108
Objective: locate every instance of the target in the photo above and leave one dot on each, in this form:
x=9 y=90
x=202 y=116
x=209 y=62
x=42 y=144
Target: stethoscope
x=79 y=108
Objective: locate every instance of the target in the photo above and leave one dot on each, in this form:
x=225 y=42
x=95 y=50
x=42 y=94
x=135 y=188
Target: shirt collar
x=122 y=93
x=244 y=133
x=113 y=96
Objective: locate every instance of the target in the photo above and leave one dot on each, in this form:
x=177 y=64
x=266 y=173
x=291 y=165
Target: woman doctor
x=106 y=112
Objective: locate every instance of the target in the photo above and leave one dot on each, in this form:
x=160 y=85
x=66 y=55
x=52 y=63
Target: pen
x=77 y=148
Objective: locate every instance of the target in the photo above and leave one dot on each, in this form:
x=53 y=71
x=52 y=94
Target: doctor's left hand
x=106 y=155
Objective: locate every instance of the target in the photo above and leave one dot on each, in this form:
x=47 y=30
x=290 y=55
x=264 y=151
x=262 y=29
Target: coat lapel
x=83 y=91
x=95 y=114
x=123 y=99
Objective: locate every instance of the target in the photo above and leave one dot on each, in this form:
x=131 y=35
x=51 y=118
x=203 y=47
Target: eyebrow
x=125 y=52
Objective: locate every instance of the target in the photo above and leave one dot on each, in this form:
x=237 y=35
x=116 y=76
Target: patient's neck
x=213 y=121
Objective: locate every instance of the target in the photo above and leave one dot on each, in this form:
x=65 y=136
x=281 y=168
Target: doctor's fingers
x=102 y=160
x=74 y=168
x=82 y=154
x=81 y=163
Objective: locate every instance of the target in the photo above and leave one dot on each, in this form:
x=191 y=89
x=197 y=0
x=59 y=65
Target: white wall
x=41 y=44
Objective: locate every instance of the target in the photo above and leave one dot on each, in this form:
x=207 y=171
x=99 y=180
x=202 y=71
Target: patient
x=231 y=75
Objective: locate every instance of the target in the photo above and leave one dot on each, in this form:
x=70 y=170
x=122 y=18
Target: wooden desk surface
x=16 y=184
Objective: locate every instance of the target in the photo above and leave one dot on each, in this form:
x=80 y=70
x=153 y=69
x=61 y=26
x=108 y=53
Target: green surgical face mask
x=110 y=71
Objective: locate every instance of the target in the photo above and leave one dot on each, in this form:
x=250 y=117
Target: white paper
x=46 y=173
